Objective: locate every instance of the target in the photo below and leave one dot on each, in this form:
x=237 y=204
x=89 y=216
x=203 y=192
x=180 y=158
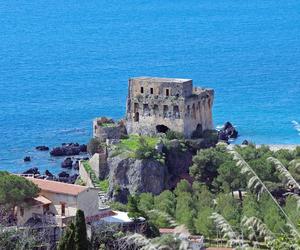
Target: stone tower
x=155 y=105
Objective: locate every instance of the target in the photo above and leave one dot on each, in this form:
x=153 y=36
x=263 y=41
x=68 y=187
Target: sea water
x=62 y=63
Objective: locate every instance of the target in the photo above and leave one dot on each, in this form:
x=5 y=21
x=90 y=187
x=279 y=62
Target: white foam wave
x=72 y=130
x=296 y=126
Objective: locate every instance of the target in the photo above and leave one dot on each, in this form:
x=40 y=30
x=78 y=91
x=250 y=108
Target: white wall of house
x=88 y=201
x=28 y=212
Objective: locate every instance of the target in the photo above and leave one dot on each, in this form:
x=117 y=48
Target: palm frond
x=255 y=224
x=167 y=217
x=284 y=172
x=223 y=225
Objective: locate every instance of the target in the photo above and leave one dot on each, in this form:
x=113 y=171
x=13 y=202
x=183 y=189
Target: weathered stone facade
x=106 y=129
x=158 y=104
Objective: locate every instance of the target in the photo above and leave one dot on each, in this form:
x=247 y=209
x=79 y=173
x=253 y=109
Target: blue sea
x=62 y=63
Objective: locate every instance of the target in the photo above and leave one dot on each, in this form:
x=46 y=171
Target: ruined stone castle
x=155 y=105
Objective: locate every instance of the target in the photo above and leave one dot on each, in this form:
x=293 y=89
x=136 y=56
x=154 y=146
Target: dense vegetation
x=246 y=192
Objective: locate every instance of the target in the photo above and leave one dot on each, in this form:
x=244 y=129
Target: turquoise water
x=62 y=63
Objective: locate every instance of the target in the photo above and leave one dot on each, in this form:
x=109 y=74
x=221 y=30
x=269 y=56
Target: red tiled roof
x=58 y=187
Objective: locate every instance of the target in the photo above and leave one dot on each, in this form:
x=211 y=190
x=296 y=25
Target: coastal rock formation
x=67 y=163
x=34 y=171
x=68 y=149
x=48 y=174
x=245 y=142
x=42 y=148
x=129 y=175
x=27 y=158
x=178 y=160
x=227 y=132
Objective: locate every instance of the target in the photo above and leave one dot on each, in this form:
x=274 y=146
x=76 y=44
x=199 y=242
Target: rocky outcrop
x=178 y=160
x=27 y=158
x=42 y=148
x=68 y=149
x=34 y=171
x=227 y=132
x=129 y=175
x=67 y=163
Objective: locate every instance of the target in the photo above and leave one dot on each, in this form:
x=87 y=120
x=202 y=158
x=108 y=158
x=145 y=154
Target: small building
x=156 y=105
x=58 y=203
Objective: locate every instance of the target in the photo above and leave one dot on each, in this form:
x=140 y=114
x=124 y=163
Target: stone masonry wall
x=169 y=102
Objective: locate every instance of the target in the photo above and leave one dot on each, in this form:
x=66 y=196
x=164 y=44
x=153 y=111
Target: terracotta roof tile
x=58 y=187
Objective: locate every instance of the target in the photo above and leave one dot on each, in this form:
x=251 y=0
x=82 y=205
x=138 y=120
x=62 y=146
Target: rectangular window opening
x=142 y=90
x=167 y=92
x=151 y=91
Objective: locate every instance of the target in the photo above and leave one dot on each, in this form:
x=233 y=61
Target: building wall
x=57 y=200
x=28 y=212
x=84 y=175
x=177 y=87
x=198 y=111
x=88 y=201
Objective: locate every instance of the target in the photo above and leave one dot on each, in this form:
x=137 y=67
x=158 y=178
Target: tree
x=81 y=241
x=229 y=208
x=183 y=186
x=206 y=163
x=203 y=223
x=230 y=179
x=184 y=210
x=15 y=189
x=67 y=241
x=132 y=206
x=146 y=202
x=251 y=206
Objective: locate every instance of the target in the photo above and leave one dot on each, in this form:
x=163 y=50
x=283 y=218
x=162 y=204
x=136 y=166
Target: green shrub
x=171 y=135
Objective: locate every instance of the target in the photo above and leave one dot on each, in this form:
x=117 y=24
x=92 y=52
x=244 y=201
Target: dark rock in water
x=27 y=158
x=245 y=142
x=63 y=174
x=67 y=163
x=73 y=178
x=68 y=149
x=83 y=148
x=227 y=132
x=49 y=174
x=34 y=171
x=42 y=148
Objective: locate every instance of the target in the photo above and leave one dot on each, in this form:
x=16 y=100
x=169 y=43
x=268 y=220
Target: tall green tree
x=81 y=240
x=185 y=211
x=206 y=163
x=15 y=189
x=67 y=241
x=132 y=206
